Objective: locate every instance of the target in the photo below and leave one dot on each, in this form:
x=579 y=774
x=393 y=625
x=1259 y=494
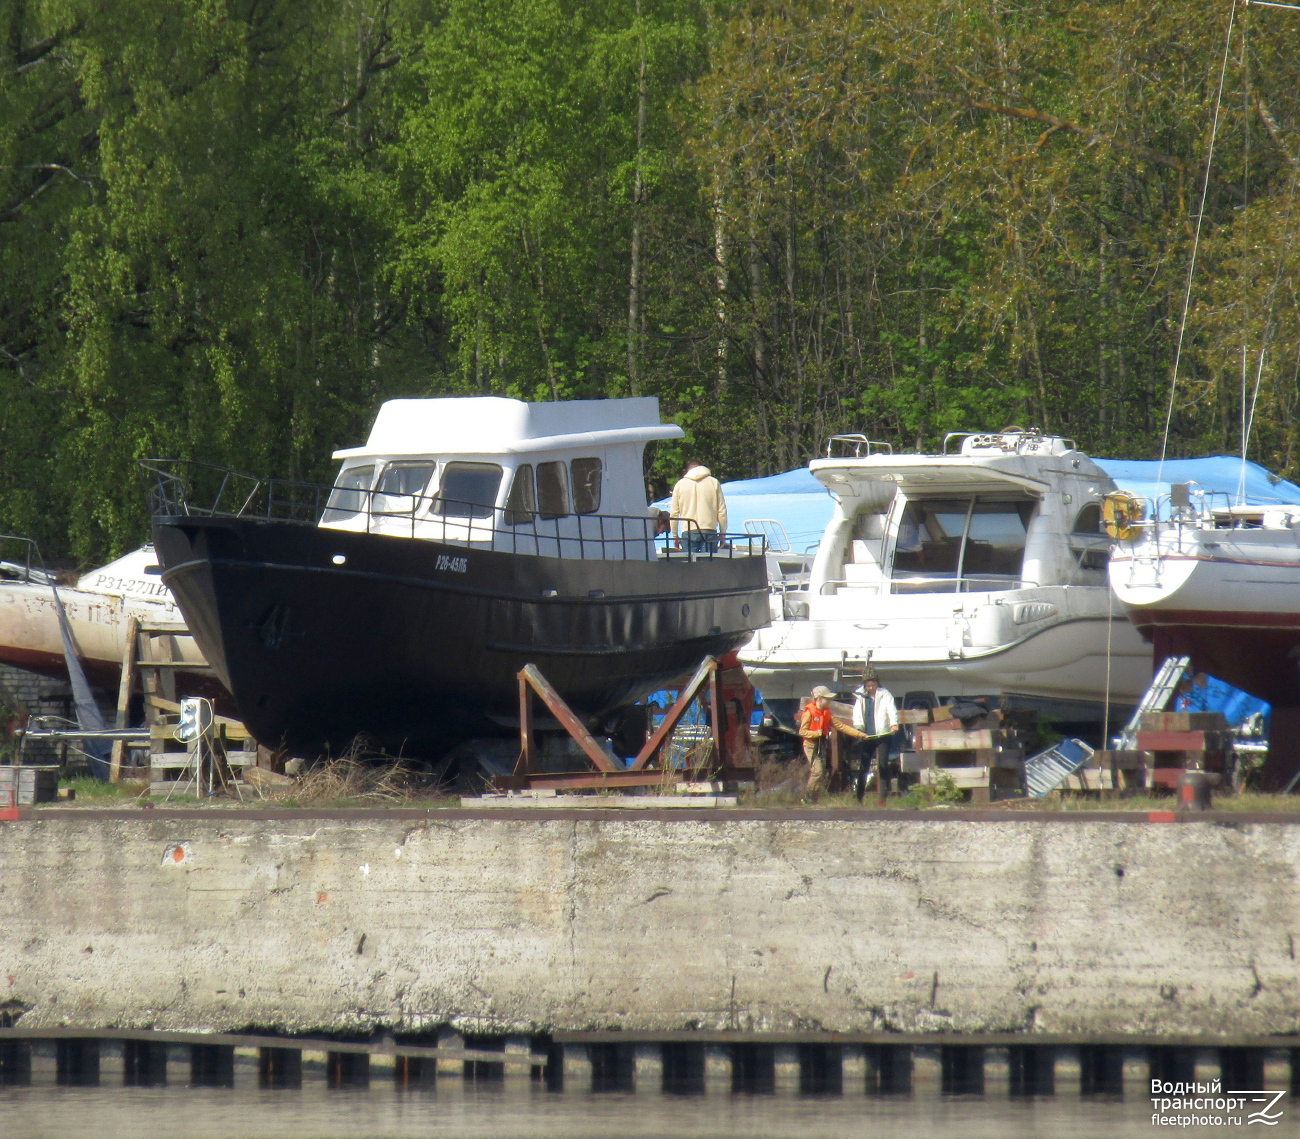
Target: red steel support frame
x=708 y=671
x=610 y=774
x=530 y=677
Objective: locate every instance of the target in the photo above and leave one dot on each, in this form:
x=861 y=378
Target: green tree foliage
x=230 y=228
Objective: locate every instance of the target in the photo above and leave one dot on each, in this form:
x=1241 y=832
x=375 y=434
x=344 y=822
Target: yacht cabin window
x=348 y=498
x=961 y=545
x=400 y=488
x=586 y=486
x=469 y=490
x=1088 y=520
x=553 y=490
x=521 y=505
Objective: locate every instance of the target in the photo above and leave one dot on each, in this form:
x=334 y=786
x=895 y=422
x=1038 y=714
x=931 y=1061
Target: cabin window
x=469 y=490
x=586 y=486
x=1088 y=520
x=400 y=488
x=553 y=490
x=348 y=498
x=521 y=506
x=953 y=545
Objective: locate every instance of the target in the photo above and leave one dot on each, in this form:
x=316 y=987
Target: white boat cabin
x=560 y=479
x=1013 y=510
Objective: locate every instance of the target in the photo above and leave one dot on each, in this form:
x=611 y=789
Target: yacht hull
x=1071 y=660
x=321 y=635
x=30 y=637
x=1238 y=619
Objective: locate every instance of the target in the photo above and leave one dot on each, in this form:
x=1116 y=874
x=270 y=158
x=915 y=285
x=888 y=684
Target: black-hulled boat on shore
x=466 y=538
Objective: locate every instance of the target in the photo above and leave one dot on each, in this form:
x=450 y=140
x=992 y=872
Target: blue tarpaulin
x=1210 y=694
x=1220 y=474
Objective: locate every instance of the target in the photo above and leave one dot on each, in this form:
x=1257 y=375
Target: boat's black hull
x=417 y=644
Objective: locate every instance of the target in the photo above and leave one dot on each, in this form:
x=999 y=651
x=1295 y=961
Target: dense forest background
x=230 y=228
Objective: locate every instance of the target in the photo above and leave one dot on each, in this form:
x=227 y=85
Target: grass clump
x=942 y=792
x=350 y=782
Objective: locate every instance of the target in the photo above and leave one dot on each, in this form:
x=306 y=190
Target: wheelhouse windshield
x=469 y=490
x=348 y=498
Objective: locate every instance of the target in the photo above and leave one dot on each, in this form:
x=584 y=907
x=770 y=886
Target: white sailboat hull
x=99 y=609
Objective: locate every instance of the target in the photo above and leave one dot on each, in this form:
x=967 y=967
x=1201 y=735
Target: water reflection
x=314 y=1112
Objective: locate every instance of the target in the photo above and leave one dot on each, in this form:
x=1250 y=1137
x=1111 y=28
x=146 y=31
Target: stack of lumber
x=985 y=756
x=1184 y=741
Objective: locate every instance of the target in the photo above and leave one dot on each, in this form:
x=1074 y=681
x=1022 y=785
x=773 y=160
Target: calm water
x=380 y=1113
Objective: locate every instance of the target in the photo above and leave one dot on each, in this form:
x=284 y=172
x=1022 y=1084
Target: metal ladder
x=1156 y=698
x=1047 y=770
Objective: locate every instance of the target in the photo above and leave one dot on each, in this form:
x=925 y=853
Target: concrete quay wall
x=578 y=921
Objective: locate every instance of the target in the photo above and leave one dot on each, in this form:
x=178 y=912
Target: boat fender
x=1121 y=511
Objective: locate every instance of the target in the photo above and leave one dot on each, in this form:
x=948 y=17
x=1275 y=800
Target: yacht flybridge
x=980 y=572
x=468 y=537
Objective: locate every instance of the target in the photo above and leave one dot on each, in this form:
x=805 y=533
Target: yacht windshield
x=961 y=545
x=348 y=498
x=469 y=490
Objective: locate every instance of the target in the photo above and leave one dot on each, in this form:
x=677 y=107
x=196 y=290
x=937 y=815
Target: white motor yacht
x=980 y=572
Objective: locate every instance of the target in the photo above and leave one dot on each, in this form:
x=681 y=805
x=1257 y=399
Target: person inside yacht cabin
x=698 y=501
x=875 y=715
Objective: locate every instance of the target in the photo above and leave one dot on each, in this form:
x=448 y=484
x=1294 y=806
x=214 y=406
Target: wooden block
x=945 y=739
x=1001 y=757
x=1183 y=741
x=1183 y=722
x=941 y=713
x=911 y=762
x=1101 y=758
x=914 y=716
x=963 y=777
x=1188 y=760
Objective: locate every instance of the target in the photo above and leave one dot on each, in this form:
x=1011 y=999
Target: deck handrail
x=191 y=488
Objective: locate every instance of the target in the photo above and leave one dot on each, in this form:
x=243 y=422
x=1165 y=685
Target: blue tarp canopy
x=1220 y=474
x=793 y=498
x=803 y=506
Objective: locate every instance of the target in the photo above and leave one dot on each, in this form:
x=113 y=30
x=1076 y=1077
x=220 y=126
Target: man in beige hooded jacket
x=698 y=502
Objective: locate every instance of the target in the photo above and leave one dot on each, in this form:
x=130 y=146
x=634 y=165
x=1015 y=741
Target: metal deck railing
x=20 y=560
x=186 y=488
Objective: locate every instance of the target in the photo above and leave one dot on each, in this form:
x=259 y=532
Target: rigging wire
x=1269 y=323
x=1196 y=241
x=1245 y=240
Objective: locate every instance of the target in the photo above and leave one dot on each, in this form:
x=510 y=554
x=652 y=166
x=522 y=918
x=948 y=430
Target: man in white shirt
x=875 y=715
